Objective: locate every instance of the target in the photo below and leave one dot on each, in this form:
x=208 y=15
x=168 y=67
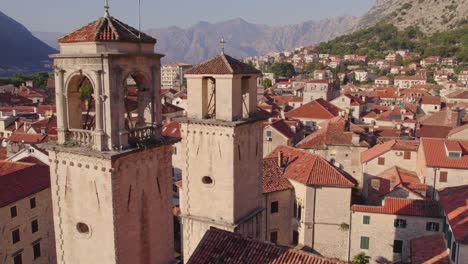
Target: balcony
x=80 y=136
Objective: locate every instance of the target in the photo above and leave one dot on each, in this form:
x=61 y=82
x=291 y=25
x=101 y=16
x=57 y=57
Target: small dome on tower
x=107 y=29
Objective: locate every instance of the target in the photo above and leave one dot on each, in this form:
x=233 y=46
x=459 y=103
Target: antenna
x=106 y=8
x=222 y=42
x=139 y=19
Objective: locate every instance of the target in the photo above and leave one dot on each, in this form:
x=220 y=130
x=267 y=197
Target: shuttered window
x=364 y=242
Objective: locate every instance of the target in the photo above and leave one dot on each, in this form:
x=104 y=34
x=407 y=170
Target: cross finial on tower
x=223 y=42
x=106 y=8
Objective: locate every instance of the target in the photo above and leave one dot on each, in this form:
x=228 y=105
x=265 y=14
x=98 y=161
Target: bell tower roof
x=107 y=29
x=222 y=64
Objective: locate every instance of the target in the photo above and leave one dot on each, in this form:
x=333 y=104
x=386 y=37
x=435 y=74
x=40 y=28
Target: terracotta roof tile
x=429 y=250
x=319 y=109
x=409 y=78
x=107 y=29
x=282 y=127
x=454 y=200
x=22 y=181
x=336 y=131
x=399 y=206
x=458 y=129
x=222 y=64
x=27 y=138
x=171 y=129
x=311 y=169
x=273 y=178
x=219 y=246
x=436 y=155
x=395 y=144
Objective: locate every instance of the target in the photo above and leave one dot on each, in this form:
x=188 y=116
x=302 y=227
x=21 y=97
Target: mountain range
x=18 y=47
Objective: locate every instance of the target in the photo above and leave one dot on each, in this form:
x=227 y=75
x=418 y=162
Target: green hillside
x=380 y=39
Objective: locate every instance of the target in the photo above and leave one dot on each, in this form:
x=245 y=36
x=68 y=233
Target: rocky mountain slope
x=49 y=38
x=18 y=47
x=244 y=39
x=430 y=16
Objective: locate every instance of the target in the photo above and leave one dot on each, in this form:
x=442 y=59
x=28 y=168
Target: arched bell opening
x=80 y=103
x=137 y=101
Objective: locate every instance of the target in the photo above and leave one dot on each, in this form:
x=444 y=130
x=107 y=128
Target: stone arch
x=138 y=99
x=79 y=90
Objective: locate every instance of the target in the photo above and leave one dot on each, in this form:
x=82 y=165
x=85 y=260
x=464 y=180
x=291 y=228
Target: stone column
x=98 y=130
x=119 y=99
x=156 y=108
x=62 y=126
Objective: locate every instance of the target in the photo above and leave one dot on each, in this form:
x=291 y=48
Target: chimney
x=35 y=109
x=355 y=139
x=14 y=112
x=16 y=125
x=282 y=114
x=280 y=159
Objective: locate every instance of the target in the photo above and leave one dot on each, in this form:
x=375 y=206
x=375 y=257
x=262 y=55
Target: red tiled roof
x=430 y=100
x=454 y=200
x=27 y=138
x=433 y=131
x=282 y=127
x=318 y=109
x=460 y=94
x=273 y=178
x=395 y=144
x=436 y=156
x=107 y=29
x=429 y=250
x=392 y=178
x=22 y=181
x=311 y=169
x=222 y=64
x=219 y=246
x=336 y=131
x=399 y=206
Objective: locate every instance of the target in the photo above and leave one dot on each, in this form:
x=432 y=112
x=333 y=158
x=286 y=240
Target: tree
x=283 y=69
x=267 y=83
x=40 y=79
x=86 y=91
x=361 y=258
x=17 y=79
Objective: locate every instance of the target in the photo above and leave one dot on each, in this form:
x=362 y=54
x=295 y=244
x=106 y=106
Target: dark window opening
x=15 y=236
x=207 y=180
x=13 y=212
x=295 y=237
x=431 y=226
x=17 y=259
x=400 y=223
x=397 y=246
x=32 y=202
x=37 y=250
x=366 y=219
x=34 y=226
x=274 y=207
x=364 y=242
x=274 y=237
x=82 y=228
x=443 y=176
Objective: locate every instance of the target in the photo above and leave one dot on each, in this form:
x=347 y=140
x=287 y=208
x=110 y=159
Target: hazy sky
x=65 y=15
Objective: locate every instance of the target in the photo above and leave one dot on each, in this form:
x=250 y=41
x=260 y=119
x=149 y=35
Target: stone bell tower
x=110 y=168
x=222 y=147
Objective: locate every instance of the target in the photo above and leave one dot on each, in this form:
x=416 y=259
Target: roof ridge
x=226 y=61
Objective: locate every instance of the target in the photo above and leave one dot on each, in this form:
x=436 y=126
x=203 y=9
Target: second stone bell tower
x=222 y=147
x=110 y=169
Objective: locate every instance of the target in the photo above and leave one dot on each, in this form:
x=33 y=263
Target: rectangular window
x=407 y=155
x=399 y=223
x=364 y=242
x=431 y=226
x=15 y=235
x=32 y=202
x=443 y=176
x=268 y=133
x=274 y=207
x=381 y=161
x=397 y=246
x=37 y=250
x=366 y=219
x=13 y=212
x=18 y=259
x=274 y=237
x=34 y=226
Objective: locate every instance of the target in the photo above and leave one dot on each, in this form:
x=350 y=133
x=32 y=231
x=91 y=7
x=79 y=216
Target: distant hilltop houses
x=294 y=157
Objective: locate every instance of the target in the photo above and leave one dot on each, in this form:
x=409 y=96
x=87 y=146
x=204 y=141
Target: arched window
x=80 y=103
